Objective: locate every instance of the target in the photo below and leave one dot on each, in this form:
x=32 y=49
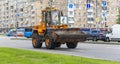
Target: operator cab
x=52 y=17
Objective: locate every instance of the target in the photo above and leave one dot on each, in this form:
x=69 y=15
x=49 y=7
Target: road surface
x=98 y=51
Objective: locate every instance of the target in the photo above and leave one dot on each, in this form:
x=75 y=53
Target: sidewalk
x=19 y=38
x=102 y=42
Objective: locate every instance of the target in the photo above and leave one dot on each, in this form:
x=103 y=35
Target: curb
x=20 y=38
x=115 y=43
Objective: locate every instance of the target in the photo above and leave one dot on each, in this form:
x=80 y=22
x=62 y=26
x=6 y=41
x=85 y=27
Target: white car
x=114 y=33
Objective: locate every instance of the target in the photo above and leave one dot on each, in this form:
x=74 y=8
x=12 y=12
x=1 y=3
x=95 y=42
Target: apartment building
x=87 y=13
x=94 y=13
x=83 y=16
x=112 y=12
x=7 y=14
x=30 y=13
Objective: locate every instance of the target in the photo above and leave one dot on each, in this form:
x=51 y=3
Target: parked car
x=113 y=33
x=11 y=32
x=95 y=34
x=19 y=32
x=86 y=30
x=28 y=32
x=98 y=35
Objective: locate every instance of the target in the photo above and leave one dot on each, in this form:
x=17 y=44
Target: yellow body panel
x=41 y=27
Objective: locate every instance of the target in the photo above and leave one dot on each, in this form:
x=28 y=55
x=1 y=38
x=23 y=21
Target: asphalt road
x=98 y=51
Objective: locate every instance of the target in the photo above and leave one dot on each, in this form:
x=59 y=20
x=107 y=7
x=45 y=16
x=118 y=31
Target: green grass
x=17 y=56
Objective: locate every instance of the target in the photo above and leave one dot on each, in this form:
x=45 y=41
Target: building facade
x=87 y=13
x=92 y=13
x=7 y=14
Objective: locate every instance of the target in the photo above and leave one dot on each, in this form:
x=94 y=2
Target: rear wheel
x=57 y=45
x=27 y=37
x=107 y=39
x=94 y=39
x=103 y=40
x=36 y=41
x=49 y=42
x=71 y=45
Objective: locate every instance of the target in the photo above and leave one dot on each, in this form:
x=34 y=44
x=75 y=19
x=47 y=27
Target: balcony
x=91 y=4
x=90 y=10
x=33 y=15
x=90 y=16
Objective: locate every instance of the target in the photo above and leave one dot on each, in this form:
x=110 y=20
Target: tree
x=118 y=20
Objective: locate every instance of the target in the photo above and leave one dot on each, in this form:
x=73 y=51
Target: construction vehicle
x=54 y=32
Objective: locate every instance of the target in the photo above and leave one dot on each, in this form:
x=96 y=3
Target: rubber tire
x=94 y=39
x=71 y=45
x=107 y=39
x=38 y=41
x=57 y=45
x=104 y=40
x=27 y=37
x=51 y=43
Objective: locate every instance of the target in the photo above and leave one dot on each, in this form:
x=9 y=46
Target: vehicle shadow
x=60 y=49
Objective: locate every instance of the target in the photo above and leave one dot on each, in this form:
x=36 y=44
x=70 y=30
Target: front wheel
x=36 y=41
x=57 y=45
x=107 y=39
x=94 y=39
x=71 y=45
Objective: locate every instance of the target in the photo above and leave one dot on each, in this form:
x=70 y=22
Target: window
x=15 y=11
x=104 y=8
x=33 y=18
x=7 y=8
x=41 y=1
x=77 y=5
x=7 y=17
x=89 y=13
x=11 y=7
x=89 y=1
x=21 y=9
x=47 y=18
x=90 y=19
x=79 y=19
x=33 y=12
x=28 y=29
x=6 y=3
x=79 y=13
x=71 y=0
x=31 y=7
x=21 y=19
x=41 y=7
